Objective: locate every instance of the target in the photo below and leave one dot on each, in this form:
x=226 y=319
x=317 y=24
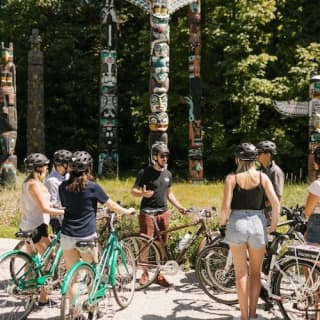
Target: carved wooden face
x=158 y=121
x=161 y=49
x=159 y=102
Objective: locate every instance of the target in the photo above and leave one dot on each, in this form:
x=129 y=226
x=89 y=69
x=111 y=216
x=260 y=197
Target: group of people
x=250 y=207
x=69 y=191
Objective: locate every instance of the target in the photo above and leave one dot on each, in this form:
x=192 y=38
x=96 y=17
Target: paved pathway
x=186 y=301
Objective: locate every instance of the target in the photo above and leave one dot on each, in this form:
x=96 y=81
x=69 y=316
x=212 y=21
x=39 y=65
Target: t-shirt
x=314 y=188
x=276 y=176
x=157 y=181
x=80 y=209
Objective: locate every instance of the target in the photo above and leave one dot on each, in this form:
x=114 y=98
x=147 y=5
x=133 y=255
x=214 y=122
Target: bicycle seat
x=26 y=234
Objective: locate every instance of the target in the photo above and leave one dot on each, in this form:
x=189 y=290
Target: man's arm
x=173 y=200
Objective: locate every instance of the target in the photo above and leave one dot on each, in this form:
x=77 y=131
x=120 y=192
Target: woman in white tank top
x=36 y=207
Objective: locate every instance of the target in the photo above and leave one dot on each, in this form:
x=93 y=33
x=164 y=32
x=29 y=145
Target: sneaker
x=144 y=278
x=49 y=303
x=162 y=281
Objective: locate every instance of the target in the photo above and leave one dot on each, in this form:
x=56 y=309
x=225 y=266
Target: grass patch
x=190 y=195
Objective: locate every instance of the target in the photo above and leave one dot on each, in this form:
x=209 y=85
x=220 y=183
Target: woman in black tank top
x=246 y=229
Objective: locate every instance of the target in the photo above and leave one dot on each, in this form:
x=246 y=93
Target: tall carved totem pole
x=108 y=137
x=8 y=117
x=159 y=11
x=310 y=109
x=35 y=115
x=195 y=130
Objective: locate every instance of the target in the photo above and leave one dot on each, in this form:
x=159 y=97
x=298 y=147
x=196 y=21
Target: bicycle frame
x=37 y=265
x=158 y=236
x=104 y=270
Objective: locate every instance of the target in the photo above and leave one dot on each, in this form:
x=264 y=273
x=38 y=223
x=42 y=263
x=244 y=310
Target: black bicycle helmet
x=267 y=146
x=80 y=161
x=246 y=151
x=36 y=160
x=62 y=156
x=159 y=147
x=316 y=154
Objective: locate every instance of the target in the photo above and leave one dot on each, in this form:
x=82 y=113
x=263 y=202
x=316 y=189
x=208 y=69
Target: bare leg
x=41 y=247
x=239 y=254
x=256 y=258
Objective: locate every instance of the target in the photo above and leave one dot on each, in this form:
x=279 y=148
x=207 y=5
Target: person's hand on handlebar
x=183 y=210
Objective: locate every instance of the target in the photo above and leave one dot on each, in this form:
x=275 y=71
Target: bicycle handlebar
x=202 y=212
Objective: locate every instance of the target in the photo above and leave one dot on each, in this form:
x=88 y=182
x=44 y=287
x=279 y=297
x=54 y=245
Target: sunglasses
x=162 y=156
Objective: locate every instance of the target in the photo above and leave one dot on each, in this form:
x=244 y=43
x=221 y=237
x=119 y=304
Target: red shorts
x=147 y=226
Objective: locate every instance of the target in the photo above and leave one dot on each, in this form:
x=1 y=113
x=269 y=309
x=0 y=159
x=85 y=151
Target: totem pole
x=108 y=138
x=35 y=115
x=8 y=117
x=309 y=109
x=195 y=131
x=159 y=11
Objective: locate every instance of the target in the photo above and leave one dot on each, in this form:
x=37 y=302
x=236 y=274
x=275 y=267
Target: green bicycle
x=86 y=286
x=22 y=275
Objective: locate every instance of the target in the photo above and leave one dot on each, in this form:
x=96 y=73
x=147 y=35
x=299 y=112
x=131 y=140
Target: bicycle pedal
x=267 y=306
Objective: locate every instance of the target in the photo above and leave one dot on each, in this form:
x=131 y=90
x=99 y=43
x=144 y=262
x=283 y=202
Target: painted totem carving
x=108 y=135
x=8 y=117
x=159 y=11
x=194 y=104
x=35 y=116
x=310 y=109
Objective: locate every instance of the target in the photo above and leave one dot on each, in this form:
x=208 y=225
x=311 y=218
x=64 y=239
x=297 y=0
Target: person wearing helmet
x=312 y=208
x=242 y=217
x=36 y=207
x=266 y=151
x=154 y=185
x=80 y=196
x=61 y=159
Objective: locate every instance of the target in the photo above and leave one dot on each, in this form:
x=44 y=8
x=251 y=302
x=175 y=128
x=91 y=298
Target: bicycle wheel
x=125 y=278
x=16 y=292
x=298 y=285
x=79 y=284
x=147 y=258
x=216 y=275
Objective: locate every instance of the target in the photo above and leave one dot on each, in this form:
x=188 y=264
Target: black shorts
x=42 y=231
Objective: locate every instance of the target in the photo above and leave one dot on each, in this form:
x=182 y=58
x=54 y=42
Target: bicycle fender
x=66 y=280
x=11 y=252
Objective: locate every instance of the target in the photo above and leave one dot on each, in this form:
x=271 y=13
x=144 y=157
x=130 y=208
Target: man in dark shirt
x=154 y=185
x=266 y=151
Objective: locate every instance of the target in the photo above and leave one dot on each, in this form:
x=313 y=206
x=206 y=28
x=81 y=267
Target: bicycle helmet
x=246 y=151
x=36 y=160
x=62 y=156
x=316 y=154
x=80 y=161
x=267 y=146
x=159 y=147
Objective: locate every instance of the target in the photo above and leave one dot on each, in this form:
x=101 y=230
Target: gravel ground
x=184 y=301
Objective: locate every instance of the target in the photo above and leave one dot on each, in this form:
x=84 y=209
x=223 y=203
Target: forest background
x=253 y=52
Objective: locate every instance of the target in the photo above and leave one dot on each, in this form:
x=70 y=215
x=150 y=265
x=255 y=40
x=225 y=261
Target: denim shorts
x=313 y=229
x=247 y=226
x=69 y=243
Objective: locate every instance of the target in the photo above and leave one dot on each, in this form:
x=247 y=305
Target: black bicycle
x=214 y=265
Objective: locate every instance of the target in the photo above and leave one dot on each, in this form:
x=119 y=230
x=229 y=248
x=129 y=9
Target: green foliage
x=253 y=52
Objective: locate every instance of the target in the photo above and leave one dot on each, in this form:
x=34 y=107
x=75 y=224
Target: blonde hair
x=244 y=165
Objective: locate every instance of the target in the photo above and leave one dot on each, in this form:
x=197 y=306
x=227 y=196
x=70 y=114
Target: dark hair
x=316 y=154
x=78 y=181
